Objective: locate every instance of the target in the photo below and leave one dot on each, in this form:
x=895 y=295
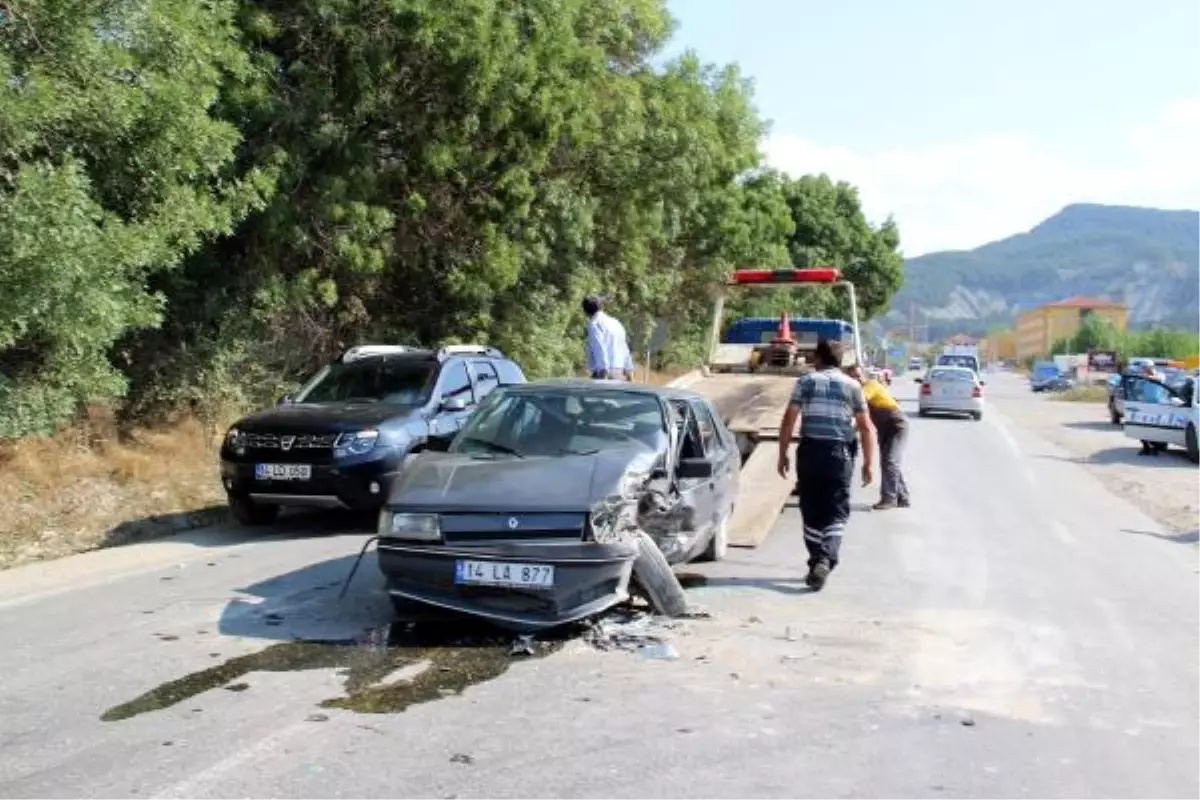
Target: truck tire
x=654 y=579
x=1193 y=448
x=248 y=512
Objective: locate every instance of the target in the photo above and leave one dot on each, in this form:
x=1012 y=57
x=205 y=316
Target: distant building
x=999 y=346
x=1038 y=329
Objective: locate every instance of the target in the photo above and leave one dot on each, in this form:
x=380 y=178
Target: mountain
x=1146 y=257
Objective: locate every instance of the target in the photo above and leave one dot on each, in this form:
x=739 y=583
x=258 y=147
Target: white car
x=951 y=390
x=1162 y=416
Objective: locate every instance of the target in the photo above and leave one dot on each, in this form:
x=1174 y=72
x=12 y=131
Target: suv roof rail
x=468 y=350
x=367 y=350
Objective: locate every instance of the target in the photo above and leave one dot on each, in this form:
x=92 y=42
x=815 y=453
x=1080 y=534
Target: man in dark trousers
x=827 y=403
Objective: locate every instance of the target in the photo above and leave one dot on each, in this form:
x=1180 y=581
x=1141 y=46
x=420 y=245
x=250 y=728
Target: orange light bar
x=743 y=277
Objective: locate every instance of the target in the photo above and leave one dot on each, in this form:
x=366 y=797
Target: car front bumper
x=362 y=484
x=588 y=578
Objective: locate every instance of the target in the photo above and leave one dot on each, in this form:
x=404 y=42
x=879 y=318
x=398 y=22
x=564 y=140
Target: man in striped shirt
x=828 y=404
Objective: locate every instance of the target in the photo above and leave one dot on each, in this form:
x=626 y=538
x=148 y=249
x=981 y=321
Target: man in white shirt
x=608 y=355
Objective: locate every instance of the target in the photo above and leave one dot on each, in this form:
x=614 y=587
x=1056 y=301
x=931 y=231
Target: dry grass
x=1084 y=394
x=87 y=487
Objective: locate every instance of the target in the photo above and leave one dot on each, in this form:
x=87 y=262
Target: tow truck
x=750 y=383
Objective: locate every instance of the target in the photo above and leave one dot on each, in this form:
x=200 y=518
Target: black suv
x=341 y=440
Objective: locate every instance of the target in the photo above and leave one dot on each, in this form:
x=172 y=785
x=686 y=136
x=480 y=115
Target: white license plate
x=282 y=472
x=503 y=573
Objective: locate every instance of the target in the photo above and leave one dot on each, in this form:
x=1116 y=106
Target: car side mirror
x=453 y=404
x=286 y=400
x=695 y=468
x=917 y=380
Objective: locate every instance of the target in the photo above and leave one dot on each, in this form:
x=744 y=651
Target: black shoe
x=883 y=505
x=817 y=576
x=903 y=503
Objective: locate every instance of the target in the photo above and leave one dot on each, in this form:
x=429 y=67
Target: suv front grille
x=301 y=441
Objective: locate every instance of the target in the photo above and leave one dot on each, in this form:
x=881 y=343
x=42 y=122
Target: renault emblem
x=513 y=522
x=286 y=442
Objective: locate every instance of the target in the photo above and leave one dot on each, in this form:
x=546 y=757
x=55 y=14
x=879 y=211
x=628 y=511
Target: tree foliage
x=112 y=169
x=1097 y=333
x=237 y=190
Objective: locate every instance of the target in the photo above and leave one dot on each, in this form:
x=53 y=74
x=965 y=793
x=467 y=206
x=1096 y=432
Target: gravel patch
x=1165 y=487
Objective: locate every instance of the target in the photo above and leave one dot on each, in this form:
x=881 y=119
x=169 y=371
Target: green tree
x=111 y=170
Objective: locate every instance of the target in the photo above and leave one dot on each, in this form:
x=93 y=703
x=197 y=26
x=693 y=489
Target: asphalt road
x=1018 y=632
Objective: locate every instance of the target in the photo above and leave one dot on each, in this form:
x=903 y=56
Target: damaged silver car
x=556 y=499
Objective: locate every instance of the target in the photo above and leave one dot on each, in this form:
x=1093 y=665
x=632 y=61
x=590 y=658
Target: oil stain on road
x=434 y=664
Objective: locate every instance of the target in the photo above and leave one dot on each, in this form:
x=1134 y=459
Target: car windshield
x=951 y=375
x=376 y=380
x=556 y=422
x=957 y=361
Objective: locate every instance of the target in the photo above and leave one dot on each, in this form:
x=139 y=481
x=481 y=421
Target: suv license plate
x=282 y=472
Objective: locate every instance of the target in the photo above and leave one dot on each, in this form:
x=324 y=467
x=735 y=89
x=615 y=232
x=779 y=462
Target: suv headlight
x=416 y=527
x=236 y=440
x=355 y=444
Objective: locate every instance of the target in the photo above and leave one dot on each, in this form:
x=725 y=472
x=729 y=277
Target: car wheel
x=248 y=512
x=1160 y=447
x=656 y=581
x=718 y=545
x=922 y=412
x=1193 y=449
x=978 y=415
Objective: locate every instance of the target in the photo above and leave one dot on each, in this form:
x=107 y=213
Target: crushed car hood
x=456 y=482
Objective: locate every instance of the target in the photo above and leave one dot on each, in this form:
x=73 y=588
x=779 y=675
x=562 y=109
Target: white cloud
x=959 y=195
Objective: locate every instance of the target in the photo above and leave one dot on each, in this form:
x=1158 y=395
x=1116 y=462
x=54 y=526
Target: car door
x=694 y=492
x=719 y=448
x=456 y=401
x=1154 y=412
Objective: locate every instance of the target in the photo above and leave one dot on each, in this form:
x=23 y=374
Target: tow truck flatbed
x=752 y=405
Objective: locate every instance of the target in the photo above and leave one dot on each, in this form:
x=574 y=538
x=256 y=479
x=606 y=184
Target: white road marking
x=1063 y=532
x=260 y=752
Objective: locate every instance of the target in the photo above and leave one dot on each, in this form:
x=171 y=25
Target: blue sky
x=968 y=120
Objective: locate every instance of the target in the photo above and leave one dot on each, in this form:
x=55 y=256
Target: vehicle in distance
x=915 y=364
x=554 y=497
x=951 y=390
x=1172 y=377
x=1162 y=415
x=341 y=440
x=1047 y=377
x=959 y=356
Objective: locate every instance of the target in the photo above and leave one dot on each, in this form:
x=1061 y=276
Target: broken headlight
x=415 y=527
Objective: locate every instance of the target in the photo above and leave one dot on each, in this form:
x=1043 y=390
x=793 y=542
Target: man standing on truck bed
x=608 y=355
x=828 y=404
